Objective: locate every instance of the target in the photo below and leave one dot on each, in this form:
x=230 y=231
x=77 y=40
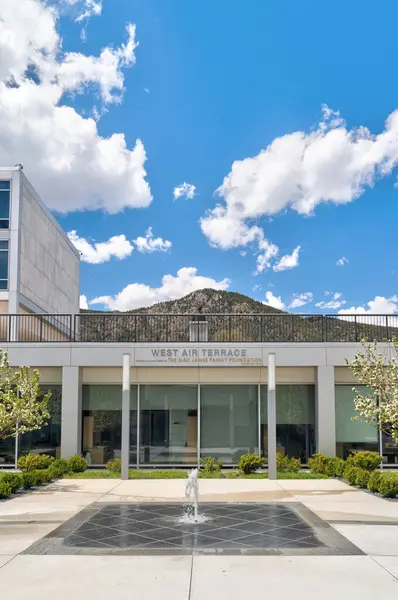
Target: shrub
x=28 y=480
x=362 y=478
x=32 y=462
x=211 y=465
x=5 y=490
x=365 y=460
x=249 y=463
x=388 y=486
x=48 y=475
x=335 y=467
x=318 y=463
x=114 y=466
x=38 y=477
x=374 y=481
x=60 y=467
x=77 y=464
x=285 y=464
x=351 y=473
x=14 y=480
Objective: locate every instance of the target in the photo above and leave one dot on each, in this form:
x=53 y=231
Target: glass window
x=351 y=435
x=295 y=420
x=4 y=264
x=46 y=440
x=169 y=424
x=5 y=191
x=229 y=423
x=102 y=423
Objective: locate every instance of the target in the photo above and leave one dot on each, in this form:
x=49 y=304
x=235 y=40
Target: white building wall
x=49 y=264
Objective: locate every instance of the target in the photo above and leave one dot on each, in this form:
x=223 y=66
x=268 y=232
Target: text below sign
x=192 y=357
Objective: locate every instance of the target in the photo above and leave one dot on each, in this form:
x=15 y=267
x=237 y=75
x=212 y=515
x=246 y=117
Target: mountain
x=230 y=317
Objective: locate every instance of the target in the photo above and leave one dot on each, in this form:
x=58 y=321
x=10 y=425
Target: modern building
x=198 y=384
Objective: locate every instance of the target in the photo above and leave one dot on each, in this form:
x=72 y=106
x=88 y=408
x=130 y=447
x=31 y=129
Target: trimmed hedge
x=249 y=463
x=33 y=462
x=388 y=485
x=365 y=460
x=285 y=464
x=114 y=466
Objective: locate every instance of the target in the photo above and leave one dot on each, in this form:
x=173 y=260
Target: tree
x=22 y=408
x=379 y=406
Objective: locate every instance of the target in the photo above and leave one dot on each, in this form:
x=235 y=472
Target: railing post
x=387 y=333
x=324 y=328
x=356 y=328
x=41 y=328
x=103 y=328
x=230 y=330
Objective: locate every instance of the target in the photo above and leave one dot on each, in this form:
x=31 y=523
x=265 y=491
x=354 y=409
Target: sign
x=191 y=356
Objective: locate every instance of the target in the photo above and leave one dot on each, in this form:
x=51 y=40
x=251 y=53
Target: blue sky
x=211 y=83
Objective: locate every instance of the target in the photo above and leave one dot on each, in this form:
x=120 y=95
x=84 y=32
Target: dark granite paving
x=287 y=528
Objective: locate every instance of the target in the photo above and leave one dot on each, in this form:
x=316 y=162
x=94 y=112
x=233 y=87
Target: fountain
x=191 y=513
x=192 y=492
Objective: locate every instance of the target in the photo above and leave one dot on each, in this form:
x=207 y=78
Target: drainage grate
x=285 y=529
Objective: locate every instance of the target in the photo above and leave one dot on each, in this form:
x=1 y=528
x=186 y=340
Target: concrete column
x=126 y=417
x=71 y=429
x=325 y=411
x=271 y=417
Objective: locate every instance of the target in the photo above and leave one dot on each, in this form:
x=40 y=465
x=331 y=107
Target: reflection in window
x=228 y=421
x=5 y=192
x=4 y=264
x=169 y=421
x=351 y=435
x=102 y=423
x=295 y=420
x=46 y=440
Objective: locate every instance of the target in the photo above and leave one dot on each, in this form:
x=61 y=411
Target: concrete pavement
x=371 y=523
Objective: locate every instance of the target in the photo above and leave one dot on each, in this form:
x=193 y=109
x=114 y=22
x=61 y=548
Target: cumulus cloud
x=334 y=303
x=268 y=252
x=289 y=261
x=342 y=261
x=151 y=244
x=83 y=302
x=379 y=305
x=185 y=190
x=70 y=164
x=137 y=295
x=299 y=171
x=274 y=301
x=99 y=252
x=301 y=299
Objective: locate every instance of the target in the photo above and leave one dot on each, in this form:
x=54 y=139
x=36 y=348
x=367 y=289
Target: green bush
x=28 y=480
x=365 y=460
x=249 y=463
x=211 y=465
x=318 y=463
x=38 y=477
x=114 y=466
x=32 y=462
x=351 y=473
x=77 y=464
x=362 y=478
x=48 y=475
x=388 y=486
x=374 y=481
x=285 y=464
x=60 y=467
x=5 y=490
x=335 y=467
x=14 y=480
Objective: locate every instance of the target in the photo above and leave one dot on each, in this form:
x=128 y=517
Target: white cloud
x=151 y=244
x=268 y=252
x=243 y=252
x=257 y=288
x=301 y=299
x=342 y=261
x=147 y=90
x=289 y=261
x=335 y=302
x=70 y=164
x=137 y=295
x=83 y=302
x=379 y=305
x=301 y=170
x=186 y=190
x=99 y=252
x=274 y=301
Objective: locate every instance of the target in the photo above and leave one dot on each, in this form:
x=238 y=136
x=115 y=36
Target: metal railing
x=219 y=328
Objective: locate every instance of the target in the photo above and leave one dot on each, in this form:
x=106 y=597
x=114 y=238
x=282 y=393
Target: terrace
x=192 y=328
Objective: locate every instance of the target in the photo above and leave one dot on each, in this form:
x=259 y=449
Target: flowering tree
x=379 y=406
x=22 y=408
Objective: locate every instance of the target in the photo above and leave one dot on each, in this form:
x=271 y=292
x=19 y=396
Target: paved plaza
x=297 y=513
